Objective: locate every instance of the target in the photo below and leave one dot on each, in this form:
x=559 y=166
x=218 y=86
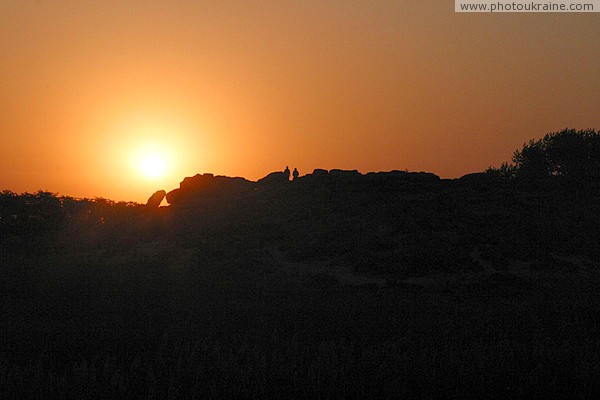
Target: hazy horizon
x=246 y=88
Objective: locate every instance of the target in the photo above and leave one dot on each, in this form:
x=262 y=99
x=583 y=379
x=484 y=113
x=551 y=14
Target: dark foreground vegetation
x=334 y=285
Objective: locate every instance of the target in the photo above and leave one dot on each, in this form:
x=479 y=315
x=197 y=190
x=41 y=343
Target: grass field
x=158 y=321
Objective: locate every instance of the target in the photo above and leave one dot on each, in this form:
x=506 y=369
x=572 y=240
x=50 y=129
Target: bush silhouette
x=567 y=153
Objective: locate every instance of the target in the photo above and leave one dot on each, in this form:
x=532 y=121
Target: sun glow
x=152 y=149
x=152 y=162
x=152 y=166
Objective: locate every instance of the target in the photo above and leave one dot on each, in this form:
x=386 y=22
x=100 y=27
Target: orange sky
x=243 y=88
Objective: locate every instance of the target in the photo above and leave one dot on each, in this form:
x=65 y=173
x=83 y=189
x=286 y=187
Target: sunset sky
x=91 y=89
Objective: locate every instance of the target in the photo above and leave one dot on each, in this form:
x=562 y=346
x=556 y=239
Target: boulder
x=202 y=186
x=274 y=178
x=155 y=200
x=391 y=179
x=422 y=177
x=479 y=180
x=174 y=196
x=344 y=175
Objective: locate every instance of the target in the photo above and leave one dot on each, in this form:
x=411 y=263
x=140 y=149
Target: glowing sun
x=152 y=166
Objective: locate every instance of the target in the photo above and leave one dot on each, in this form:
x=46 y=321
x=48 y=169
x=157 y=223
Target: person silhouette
x=295 y=173
x=286 y=171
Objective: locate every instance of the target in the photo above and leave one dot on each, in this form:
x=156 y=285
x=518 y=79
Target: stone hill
x=208 y=186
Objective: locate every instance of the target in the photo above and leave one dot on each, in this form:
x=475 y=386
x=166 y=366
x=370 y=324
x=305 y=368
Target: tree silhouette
x=566 y=153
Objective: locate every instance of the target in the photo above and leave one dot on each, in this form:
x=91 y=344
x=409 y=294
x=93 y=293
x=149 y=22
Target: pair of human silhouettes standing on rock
x=295 y=174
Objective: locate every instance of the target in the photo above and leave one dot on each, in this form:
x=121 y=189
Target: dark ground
x=316 y=289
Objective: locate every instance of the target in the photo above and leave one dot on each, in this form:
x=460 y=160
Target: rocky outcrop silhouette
x=479 y=180
x=274 y=178
x=208 y=186
x=202 y=186
x=155 y=200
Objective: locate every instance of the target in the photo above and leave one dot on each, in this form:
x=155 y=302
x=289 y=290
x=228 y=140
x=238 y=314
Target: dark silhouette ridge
x=338 y=213
x=204 y=186
x=384 y=284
